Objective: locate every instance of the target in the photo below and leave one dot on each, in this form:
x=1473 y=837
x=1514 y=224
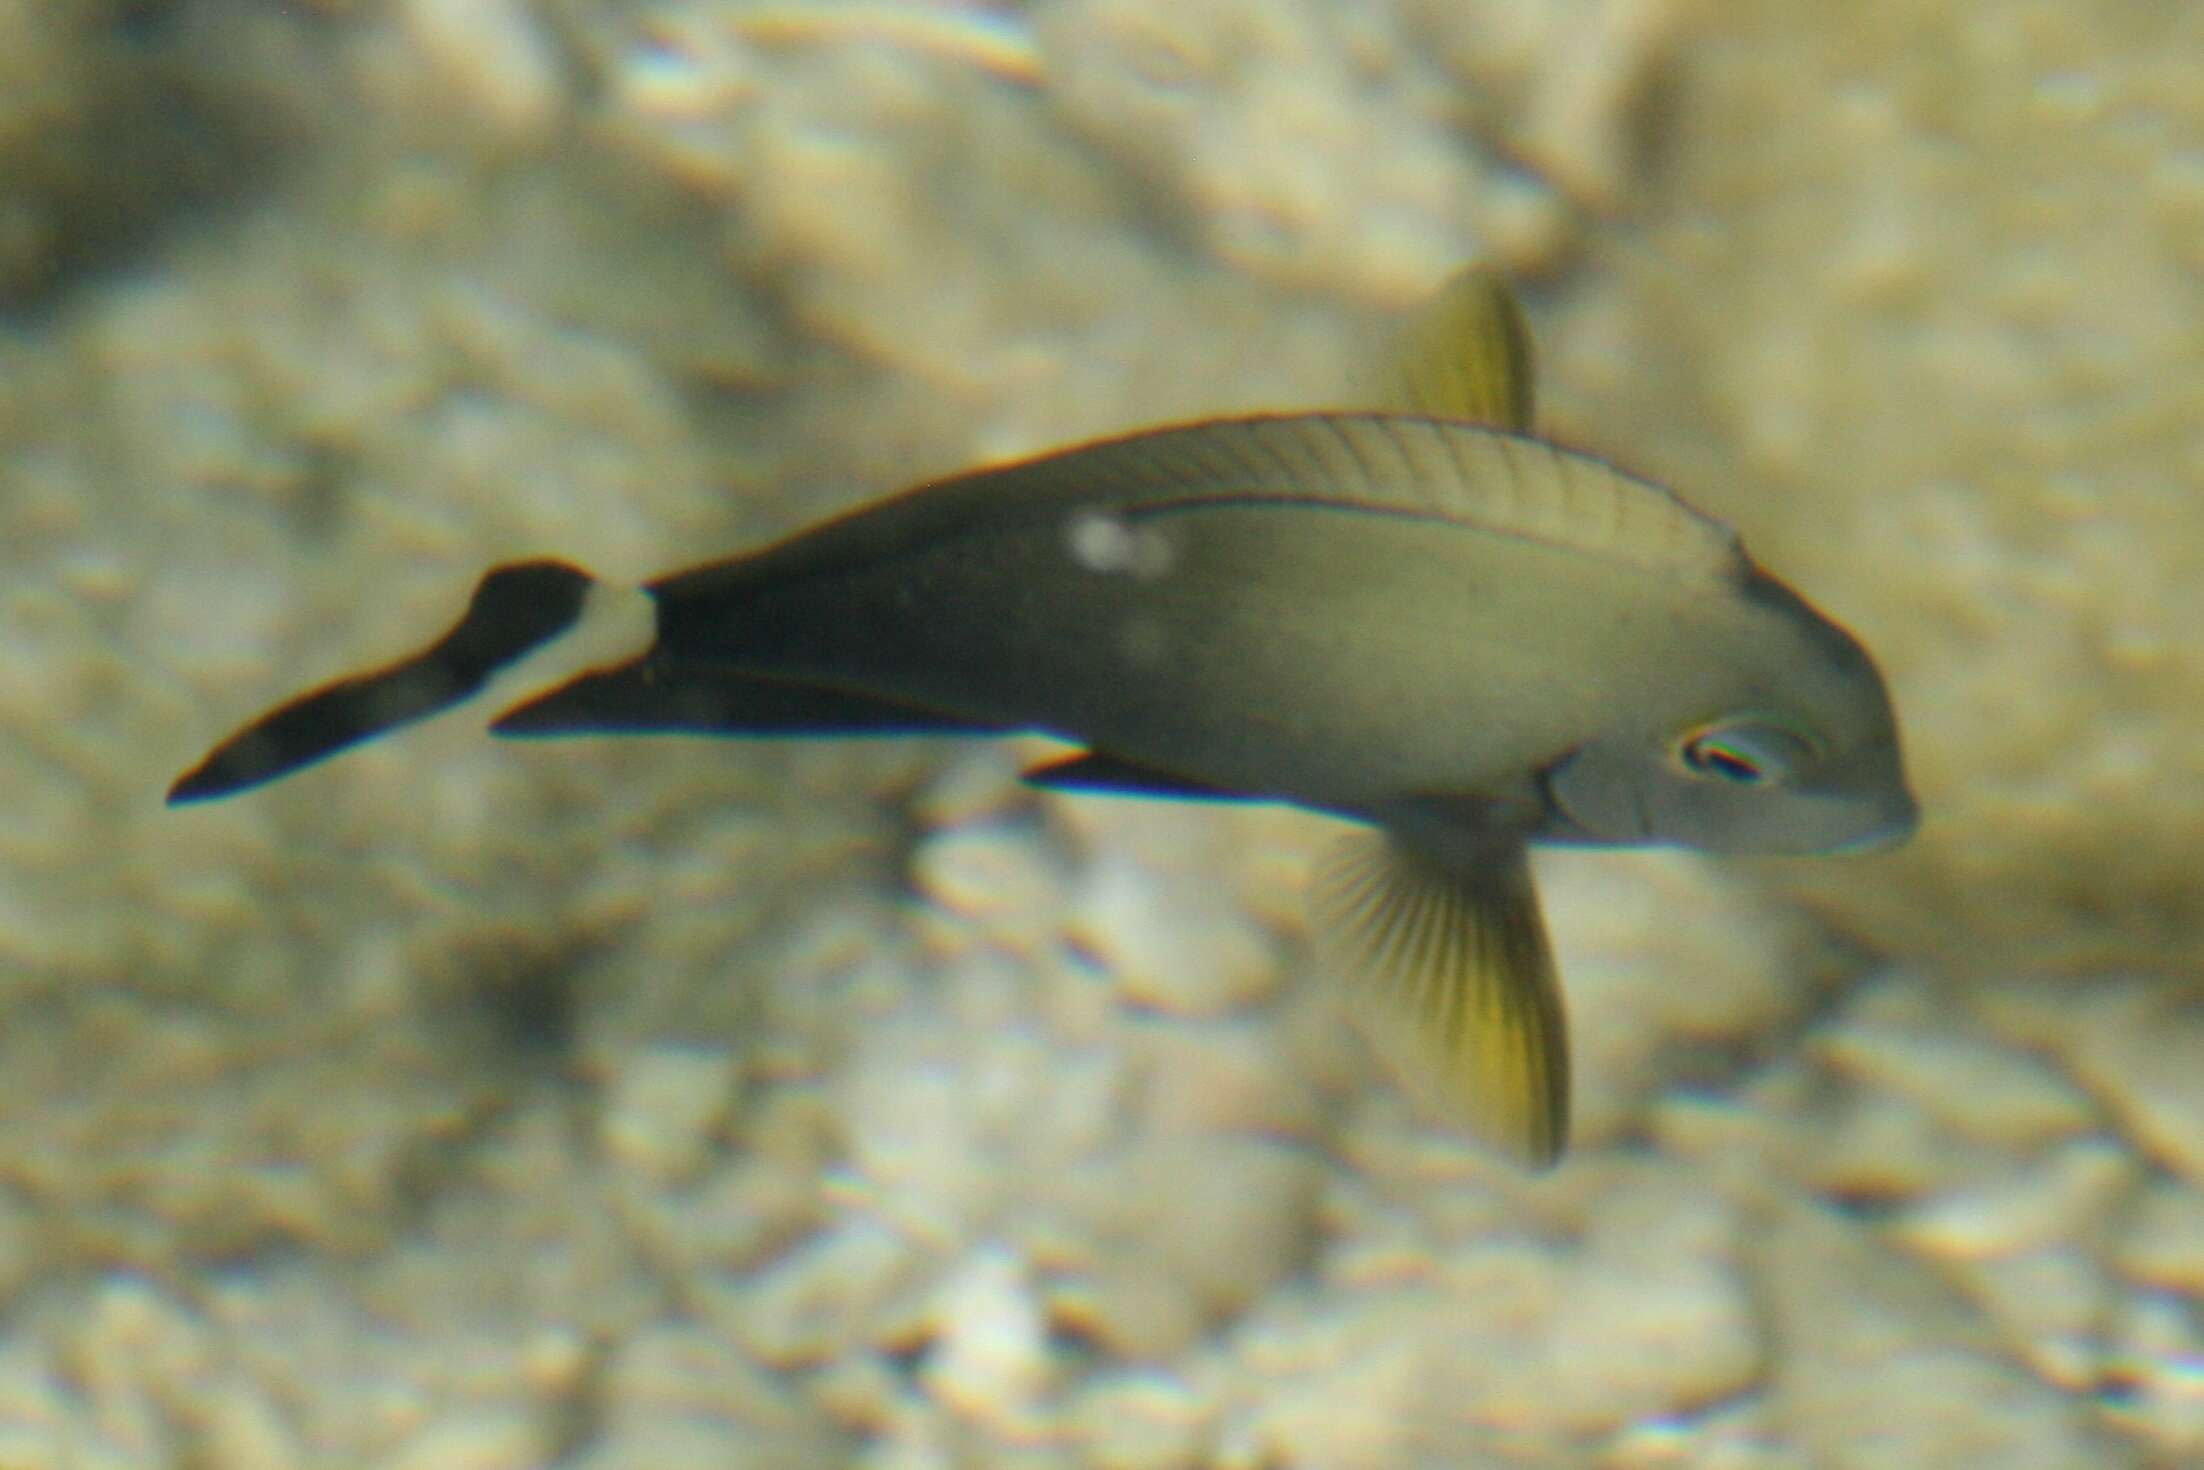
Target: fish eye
x=1745 y=752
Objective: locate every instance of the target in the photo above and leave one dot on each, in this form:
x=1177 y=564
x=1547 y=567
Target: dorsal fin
x=1465 y=474
x=1465 y=354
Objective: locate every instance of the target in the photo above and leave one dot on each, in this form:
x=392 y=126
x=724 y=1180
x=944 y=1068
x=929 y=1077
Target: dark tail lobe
x=515 y=609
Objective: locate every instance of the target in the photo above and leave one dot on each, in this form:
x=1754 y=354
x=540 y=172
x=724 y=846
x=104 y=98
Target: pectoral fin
x=1450 y=978
x=1466 y=355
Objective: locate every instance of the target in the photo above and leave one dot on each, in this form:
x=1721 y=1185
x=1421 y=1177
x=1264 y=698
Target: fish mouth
x=1894 y=822
x=1831 y=826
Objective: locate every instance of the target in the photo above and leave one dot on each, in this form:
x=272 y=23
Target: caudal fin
x=515 y=610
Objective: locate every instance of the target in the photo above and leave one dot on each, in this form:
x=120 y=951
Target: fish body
x=1253 y=640
x=1426 y=620
x=1288 y=607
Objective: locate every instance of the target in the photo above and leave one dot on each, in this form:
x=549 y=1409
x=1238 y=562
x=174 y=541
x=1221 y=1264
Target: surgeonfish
x=1415 y=616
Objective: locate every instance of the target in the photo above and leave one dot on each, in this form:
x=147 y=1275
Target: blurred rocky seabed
x=490 y=1104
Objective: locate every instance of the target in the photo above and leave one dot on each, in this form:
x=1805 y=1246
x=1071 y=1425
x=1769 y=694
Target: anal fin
x=1444 y=959
x=1094 y=773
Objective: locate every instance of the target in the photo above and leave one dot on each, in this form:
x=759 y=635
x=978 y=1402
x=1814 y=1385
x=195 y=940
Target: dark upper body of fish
x=1462 y=635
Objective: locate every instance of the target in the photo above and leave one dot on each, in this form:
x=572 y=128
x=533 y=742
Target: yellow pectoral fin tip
x=1450 y=978
x=1467 y=355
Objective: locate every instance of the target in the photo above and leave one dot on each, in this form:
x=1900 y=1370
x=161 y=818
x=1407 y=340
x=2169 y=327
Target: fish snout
x=1902 y=816
x=1881 y=823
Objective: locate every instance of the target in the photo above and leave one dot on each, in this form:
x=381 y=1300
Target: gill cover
x=1747 y=783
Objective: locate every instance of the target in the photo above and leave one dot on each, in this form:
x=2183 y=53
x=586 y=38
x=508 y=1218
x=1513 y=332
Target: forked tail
x=581 y=657
x=515 y=611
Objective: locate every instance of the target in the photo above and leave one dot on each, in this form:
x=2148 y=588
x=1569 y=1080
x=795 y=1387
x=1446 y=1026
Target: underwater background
x=478 y=1105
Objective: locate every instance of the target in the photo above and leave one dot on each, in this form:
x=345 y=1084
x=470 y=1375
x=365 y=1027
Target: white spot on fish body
x=1111 y=545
